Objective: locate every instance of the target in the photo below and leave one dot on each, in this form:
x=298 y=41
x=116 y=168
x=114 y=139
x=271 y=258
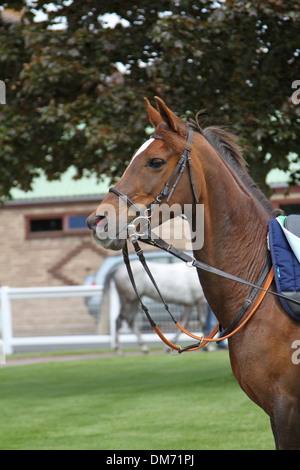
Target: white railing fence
x=10 y=341
x=15 y=301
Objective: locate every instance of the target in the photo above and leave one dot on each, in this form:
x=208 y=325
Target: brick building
x=43 y=233
x=45 y=242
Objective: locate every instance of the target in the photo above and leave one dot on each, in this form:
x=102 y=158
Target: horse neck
x=235 y=229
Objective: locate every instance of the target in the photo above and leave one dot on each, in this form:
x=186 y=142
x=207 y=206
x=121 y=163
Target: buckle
x=144 y=224
x=191 y=263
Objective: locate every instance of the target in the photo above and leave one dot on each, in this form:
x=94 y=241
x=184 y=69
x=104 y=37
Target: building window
x=38 y=226
x=76 y=222
x=46 y=225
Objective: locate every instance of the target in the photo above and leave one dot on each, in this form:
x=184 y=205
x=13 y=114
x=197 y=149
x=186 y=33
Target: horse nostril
x=96 y=221
x=101 y=220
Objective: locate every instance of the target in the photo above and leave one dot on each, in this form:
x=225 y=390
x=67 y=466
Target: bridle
x=174 y=178
x=146 y=236
x=169 y=187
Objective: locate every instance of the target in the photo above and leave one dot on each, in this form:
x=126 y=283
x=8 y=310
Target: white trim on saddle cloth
x=292 y=239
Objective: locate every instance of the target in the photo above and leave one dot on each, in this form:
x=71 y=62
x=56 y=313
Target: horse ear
x=173 y=121
x=154 y=116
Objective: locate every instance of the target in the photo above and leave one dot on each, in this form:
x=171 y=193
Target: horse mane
x=226 y=144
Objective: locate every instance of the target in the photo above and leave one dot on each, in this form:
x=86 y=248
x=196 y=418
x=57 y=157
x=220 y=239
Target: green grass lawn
x=155 y=402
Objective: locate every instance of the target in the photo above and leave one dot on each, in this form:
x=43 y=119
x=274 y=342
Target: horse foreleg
x=137 y=332
x=274 y=430
x=286 y=425
x=117 y=335
x=202 y=315
x=129 y=314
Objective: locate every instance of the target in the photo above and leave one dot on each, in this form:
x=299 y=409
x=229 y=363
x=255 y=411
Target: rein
x=267 y=276
x=262 y=286
x=147 y=238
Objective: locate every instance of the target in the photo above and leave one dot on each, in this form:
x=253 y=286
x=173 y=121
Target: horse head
x=156 y=168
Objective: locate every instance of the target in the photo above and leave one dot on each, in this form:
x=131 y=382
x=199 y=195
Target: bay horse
x=236 y=216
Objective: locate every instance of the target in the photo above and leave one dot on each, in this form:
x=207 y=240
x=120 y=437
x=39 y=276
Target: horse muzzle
x=105 y=233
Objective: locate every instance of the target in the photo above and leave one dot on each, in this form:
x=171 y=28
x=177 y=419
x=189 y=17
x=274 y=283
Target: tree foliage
x=69 y=104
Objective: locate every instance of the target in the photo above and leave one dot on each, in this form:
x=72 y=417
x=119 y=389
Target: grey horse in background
x=177 y=283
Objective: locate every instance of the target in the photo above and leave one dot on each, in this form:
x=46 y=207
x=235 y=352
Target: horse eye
x=156 y=163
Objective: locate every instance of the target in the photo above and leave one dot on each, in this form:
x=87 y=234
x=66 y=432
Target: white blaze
x=142 y=148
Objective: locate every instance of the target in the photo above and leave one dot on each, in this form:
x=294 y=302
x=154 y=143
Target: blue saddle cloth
x=285 y=263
